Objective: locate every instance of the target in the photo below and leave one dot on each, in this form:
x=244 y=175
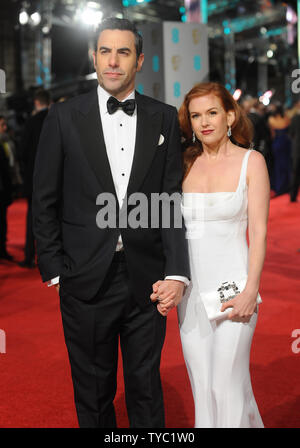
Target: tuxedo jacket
x=72 y=169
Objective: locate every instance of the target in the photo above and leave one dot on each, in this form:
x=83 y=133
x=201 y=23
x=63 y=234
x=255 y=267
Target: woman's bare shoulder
x=256 y=162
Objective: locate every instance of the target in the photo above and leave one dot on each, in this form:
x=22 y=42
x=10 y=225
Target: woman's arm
x=258 y=210
x=244 y=304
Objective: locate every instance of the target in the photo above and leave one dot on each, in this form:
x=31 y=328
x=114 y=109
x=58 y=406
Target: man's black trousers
x=92 y=331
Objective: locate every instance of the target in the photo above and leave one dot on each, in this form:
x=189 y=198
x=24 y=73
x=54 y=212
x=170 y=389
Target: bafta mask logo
x=156 y=89
x=155 y=36
x=176 y=61
x=196 y=36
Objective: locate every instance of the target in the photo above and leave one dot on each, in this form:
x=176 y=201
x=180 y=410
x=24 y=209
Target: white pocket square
x=161 y=140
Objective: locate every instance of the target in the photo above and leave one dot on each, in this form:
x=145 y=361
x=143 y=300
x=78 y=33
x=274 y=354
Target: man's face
x=3 y=126
x=115 y=62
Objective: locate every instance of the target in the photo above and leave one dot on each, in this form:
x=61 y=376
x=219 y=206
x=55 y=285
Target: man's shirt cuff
x=179 y=278
x=53 y=282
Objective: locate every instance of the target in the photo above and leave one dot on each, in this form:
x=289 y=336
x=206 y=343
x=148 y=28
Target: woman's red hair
x=241 y=129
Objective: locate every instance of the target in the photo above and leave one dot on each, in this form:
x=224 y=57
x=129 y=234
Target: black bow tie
x=113 y=104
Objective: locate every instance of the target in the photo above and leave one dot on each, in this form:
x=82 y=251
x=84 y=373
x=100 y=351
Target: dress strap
x=243 y=175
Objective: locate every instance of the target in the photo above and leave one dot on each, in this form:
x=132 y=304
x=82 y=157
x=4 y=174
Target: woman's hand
x=243 y=306
x=168 y=294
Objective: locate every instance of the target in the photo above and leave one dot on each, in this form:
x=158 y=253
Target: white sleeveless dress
x=217 y=352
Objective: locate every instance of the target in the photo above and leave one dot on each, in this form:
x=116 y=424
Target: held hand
x=155 y=287
x=243 y=306
x=168 y=293
x=155 y=298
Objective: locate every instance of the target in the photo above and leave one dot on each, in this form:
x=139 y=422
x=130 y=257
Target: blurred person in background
x=5 y=201
x=28 y=148
x=295 y=136
x=269 y=110
x=10 y=149
x=261 y=132
x=279 y=124
x=261 y=109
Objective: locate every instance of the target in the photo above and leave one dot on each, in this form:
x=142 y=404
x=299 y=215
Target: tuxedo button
x=123 y=174
x=122 y=149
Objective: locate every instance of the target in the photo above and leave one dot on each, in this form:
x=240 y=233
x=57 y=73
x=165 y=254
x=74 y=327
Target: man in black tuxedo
x=28 y=147
x=110 y=140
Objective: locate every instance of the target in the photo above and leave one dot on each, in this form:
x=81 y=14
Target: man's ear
x=140 y=62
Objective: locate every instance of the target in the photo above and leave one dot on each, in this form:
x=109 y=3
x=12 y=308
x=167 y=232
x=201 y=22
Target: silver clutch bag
x=213 y=300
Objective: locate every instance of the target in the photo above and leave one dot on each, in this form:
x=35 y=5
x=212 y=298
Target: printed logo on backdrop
x=196 y=35
x=197 y=63
x=177 y=89
x=155 y=36
x=2 y=81
x=176 y=61
x=155 y=63
x=156 y=88
x=175 y=35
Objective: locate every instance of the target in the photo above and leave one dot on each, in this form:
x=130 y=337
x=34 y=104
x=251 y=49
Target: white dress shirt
x=119 y=131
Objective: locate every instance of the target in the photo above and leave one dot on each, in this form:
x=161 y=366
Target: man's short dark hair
x=113 y=23
x=43 y=96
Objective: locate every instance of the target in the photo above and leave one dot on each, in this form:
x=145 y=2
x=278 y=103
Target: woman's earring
x=194 y=137
x=229 y=131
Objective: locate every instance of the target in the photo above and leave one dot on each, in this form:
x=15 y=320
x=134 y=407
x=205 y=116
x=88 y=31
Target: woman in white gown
x=225 y=190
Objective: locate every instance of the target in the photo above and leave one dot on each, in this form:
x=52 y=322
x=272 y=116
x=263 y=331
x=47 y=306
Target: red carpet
x=35 y=382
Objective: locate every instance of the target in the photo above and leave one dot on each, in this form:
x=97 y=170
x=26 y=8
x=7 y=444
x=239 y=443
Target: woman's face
x=209 y=120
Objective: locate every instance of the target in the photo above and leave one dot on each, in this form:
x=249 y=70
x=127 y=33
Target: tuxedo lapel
x=88 y=122
x=147 y=137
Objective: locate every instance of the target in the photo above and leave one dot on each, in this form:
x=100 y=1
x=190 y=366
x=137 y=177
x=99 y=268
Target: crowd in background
x=276 y=136
x=17 y=156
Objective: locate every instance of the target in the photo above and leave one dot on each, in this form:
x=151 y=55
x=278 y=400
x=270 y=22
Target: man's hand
x=57 y=288
x=168 y=294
